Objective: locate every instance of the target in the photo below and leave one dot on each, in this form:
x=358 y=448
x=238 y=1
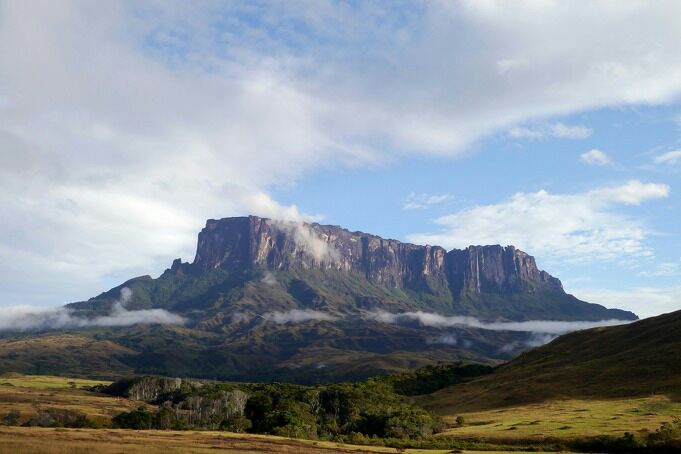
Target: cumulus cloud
x=578 y=227
x=556 y=130
x=26 y=318
x=670 y=158
x=297 y=316
x=434 y=320
x=116 y=148
x=415 y=201
x=595 y=158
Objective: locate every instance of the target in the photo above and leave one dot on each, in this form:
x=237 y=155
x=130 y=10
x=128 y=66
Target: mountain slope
x=260 y=264
x=270 y=300
x=635 y=360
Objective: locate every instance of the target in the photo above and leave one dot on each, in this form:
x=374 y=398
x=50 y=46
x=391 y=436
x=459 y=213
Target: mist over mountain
x=266 y=299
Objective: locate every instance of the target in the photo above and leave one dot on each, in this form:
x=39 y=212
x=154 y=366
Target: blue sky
x=553 y=126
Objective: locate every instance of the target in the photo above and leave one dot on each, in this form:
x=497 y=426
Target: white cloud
x=672 y=158
x=434 y=320
x=415 y=201
x=535 y=340
x=116 y=148
x=28 y=318
x=596 y=157
x=557 y=130
x=269 y=279
x=570 y=132
x=662 y=269
x=297 y=316
x=645 y=301
x=526 y=133
x=632 y=193
x=582 y=226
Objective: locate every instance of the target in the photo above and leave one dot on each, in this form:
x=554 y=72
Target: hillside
x=269 y=300
x=636 y=360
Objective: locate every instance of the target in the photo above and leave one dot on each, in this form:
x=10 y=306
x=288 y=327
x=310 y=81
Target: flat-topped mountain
x=273 y=300
x=314 y=264
x=257 y=242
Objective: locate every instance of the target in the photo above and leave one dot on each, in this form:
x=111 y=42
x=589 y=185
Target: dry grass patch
x=24 y=440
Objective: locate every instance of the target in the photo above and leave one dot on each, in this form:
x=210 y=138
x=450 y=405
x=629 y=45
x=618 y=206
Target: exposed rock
x=233 y=243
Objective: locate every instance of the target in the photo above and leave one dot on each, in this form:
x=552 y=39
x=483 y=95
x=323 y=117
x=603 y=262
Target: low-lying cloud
x=297 y=316
x=309 y=241
x=25 y=318
x=433 y=320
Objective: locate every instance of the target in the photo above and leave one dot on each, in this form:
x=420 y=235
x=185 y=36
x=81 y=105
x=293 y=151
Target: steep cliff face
x=232 y=243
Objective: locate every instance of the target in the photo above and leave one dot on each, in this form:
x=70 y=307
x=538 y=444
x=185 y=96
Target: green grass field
x=564 y=419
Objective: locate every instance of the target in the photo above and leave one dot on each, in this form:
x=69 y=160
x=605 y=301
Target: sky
x=552 y=126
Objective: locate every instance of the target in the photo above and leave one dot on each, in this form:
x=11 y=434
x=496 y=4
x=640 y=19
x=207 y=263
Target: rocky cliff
x=252 y=241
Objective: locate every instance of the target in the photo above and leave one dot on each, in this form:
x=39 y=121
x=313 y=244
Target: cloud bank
x=24 y=318
x=429 y=319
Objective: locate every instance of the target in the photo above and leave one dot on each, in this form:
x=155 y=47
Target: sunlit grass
x=568 y=419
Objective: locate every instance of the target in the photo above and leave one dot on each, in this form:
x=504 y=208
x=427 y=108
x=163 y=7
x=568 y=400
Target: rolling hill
x=636 y=360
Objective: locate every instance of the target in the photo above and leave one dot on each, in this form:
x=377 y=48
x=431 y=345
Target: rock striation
x=242 y=242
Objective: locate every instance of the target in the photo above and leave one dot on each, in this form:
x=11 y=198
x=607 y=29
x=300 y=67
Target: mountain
x=266 y=299
x=327 y=267
x=635 y=360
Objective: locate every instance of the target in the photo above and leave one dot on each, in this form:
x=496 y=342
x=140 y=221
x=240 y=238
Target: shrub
x=11 y=418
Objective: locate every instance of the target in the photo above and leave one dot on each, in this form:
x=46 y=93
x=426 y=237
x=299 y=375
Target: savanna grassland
x=566 y=419
x=28 y=395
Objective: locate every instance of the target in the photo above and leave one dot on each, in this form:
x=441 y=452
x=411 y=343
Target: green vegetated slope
x=226 y=338
x=639 y=359
x=248 y=270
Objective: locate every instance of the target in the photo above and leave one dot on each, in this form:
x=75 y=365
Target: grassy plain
x=564 y=419
x=25 y=440
x=30 y=393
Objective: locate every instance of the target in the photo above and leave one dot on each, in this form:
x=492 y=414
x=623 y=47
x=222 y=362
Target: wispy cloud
x=309 y=240
x=416 y=201
x=556 y=130
x=596 y=158
x=297 y=316
x=663 y=269
x=268 y=278
x=25 y=318
x=535 y=340
x=670 y=158
x=434 y=320
x=582 y=226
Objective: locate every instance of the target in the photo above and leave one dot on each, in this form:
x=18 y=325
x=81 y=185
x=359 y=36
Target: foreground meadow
x=563 y=419
x=518 y=427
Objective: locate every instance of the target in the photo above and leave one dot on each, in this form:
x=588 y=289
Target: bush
x=236 y=424
x=11 y=418
x=56 y=417
x=139 y=419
